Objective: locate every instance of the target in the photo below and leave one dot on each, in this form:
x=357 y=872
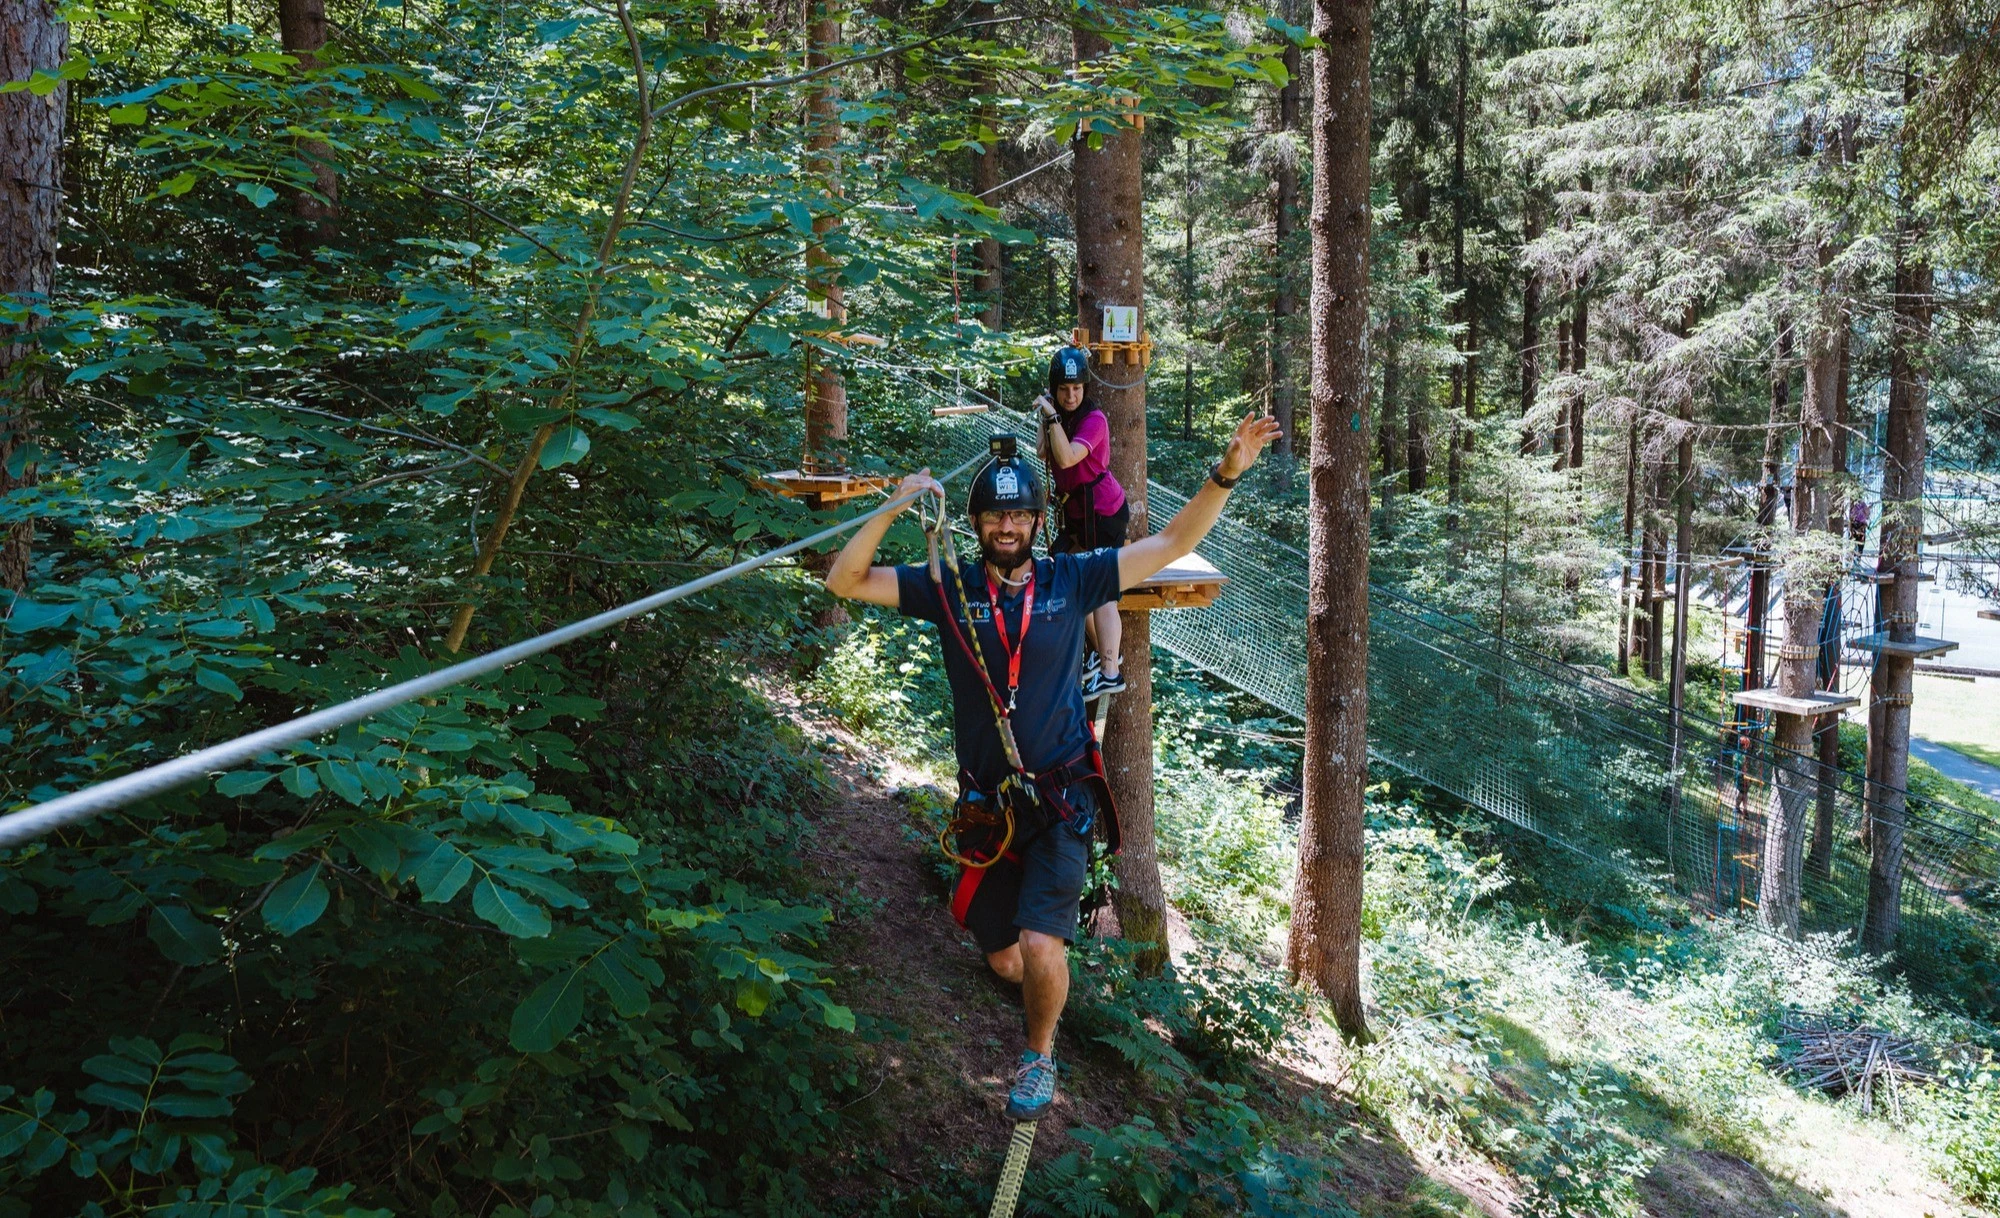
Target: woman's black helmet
x=1068 y=366
x=1006 y=483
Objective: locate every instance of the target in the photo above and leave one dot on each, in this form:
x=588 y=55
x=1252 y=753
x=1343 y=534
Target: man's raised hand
x=917 y=484
x=1252 y=434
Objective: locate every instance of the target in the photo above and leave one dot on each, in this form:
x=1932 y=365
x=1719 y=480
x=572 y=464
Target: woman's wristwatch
x=1215 y=476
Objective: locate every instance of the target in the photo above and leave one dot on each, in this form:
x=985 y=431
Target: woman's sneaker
x=1034 y=1087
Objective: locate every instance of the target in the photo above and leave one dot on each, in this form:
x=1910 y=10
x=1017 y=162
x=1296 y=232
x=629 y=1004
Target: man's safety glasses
x=1021 y=520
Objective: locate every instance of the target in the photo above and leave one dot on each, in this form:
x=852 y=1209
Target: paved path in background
x=1981 y=777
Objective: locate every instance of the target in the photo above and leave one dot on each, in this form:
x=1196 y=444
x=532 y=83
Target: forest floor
x=948 y=1033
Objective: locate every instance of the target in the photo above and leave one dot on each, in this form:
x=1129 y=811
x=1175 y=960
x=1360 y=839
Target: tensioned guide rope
x=30 y=823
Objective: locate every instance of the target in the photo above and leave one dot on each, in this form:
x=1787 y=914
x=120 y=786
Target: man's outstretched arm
x=854 y=575
x=1149 y=555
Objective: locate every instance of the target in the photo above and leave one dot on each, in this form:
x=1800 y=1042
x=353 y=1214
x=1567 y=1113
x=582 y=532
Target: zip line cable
x=17 y=828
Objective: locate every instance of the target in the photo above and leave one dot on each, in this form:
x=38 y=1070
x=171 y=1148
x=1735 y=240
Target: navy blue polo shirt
x=1049 y=722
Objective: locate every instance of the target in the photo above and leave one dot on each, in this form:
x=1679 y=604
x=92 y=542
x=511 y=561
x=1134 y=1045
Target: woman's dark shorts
x=1040 y=892
x=1092 y=531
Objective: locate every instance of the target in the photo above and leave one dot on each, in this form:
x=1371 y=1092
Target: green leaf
x=297 y=903
x=634 y=1139
x=838 y=1017
x=628 y=995
x=546 y=1017
x=260 y=195
x=442 y=873
x=25 y=615
x=244 y=782
x=341 y=778
x=300 y=781
x=114 y=1068
x=798 y=214
x=209 y=678
x=128 y=116
x=374 y=847
x=210 y=1153
x=509 y=911
x=182 y=937
x=568 y=444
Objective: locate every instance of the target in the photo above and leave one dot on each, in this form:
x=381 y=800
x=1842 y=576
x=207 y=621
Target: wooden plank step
x=1820 y=702
x=1916 y=649
x=1187 y=583
x=823 y=490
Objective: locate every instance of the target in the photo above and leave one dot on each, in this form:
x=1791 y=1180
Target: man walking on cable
x=1012 y=629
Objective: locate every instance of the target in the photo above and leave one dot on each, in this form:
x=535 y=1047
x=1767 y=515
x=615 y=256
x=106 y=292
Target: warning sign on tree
x=1121 y=323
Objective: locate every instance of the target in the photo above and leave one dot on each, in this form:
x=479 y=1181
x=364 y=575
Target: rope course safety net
x=1582 y=761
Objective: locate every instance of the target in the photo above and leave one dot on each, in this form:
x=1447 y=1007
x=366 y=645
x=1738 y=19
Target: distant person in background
x=1076 y=443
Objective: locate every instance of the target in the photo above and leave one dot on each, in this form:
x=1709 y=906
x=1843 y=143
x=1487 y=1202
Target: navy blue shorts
x=1039 y=888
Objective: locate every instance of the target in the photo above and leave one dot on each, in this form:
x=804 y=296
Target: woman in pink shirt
x=1076 y=439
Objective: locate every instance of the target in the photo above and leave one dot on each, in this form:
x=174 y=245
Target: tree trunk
x=1531 y=324
x=1386 y=439
x=1819 y=857
x=1324 y=948
x=1284 y=299
x=1110 y=253
x=32 y=38
x=1416 y=437
x=826 y=388
x=1559 y=436
x=1757 y=613
x=1902 y=531
x=1461 y=371
x=1579 y=349
x=1795 y=771
x=985 y=182
x=1629 y=621
x=302 y=29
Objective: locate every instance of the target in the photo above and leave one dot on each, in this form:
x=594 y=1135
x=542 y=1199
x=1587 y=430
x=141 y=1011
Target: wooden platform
x=1189 y=583
x=1991 y=615
x=823 y=490
x=940 y=412
x=1889 y=577
x=1820 y=702
x=1916 y=649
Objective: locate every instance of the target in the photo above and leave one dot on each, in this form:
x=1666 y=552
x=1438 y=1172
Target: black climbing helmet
x=1006 y=483
x=1068 y=366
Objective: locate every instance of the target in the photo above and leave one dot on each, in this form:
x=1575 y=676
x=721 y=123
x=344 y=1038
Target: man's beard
x=1011 y=557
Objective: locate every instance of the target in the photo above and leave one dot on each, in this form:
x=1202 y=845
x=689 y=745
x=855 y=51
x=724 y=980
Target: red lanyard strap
x=1012 y=650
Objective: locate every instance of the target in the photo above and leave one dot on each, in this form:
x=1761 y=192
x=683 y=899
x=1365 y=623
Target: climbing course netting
x=1579 y=760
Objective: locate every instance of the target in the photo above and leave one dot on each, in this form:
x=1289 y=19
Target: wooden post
x=1324 y=948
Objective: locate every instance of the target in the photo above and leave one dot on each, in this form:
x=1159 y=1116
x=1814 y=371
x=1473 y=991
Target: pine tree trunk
x=1579 y=349
x=826 y=388
x=1628 y=624
x=1416 y=437
x=985 y=183
x=1757 y=626
x=1284 y=300
x=1388 y=443
x=302 y=29
x=1110 y=253
x=1324 y=949
x=1461 y=372
x=32 y=38
x=1795 y=771
x=1902 y=530
x=1559 y=435
x=1531 y=324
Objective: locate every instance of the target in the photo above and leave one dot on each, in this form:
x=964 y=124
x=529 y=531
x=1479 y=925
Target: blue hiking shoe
x=1034 y=1087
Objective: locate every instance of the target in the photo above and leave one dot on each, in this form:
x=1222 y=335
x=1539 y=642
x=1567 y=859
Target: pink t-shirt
x=1107 y=497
